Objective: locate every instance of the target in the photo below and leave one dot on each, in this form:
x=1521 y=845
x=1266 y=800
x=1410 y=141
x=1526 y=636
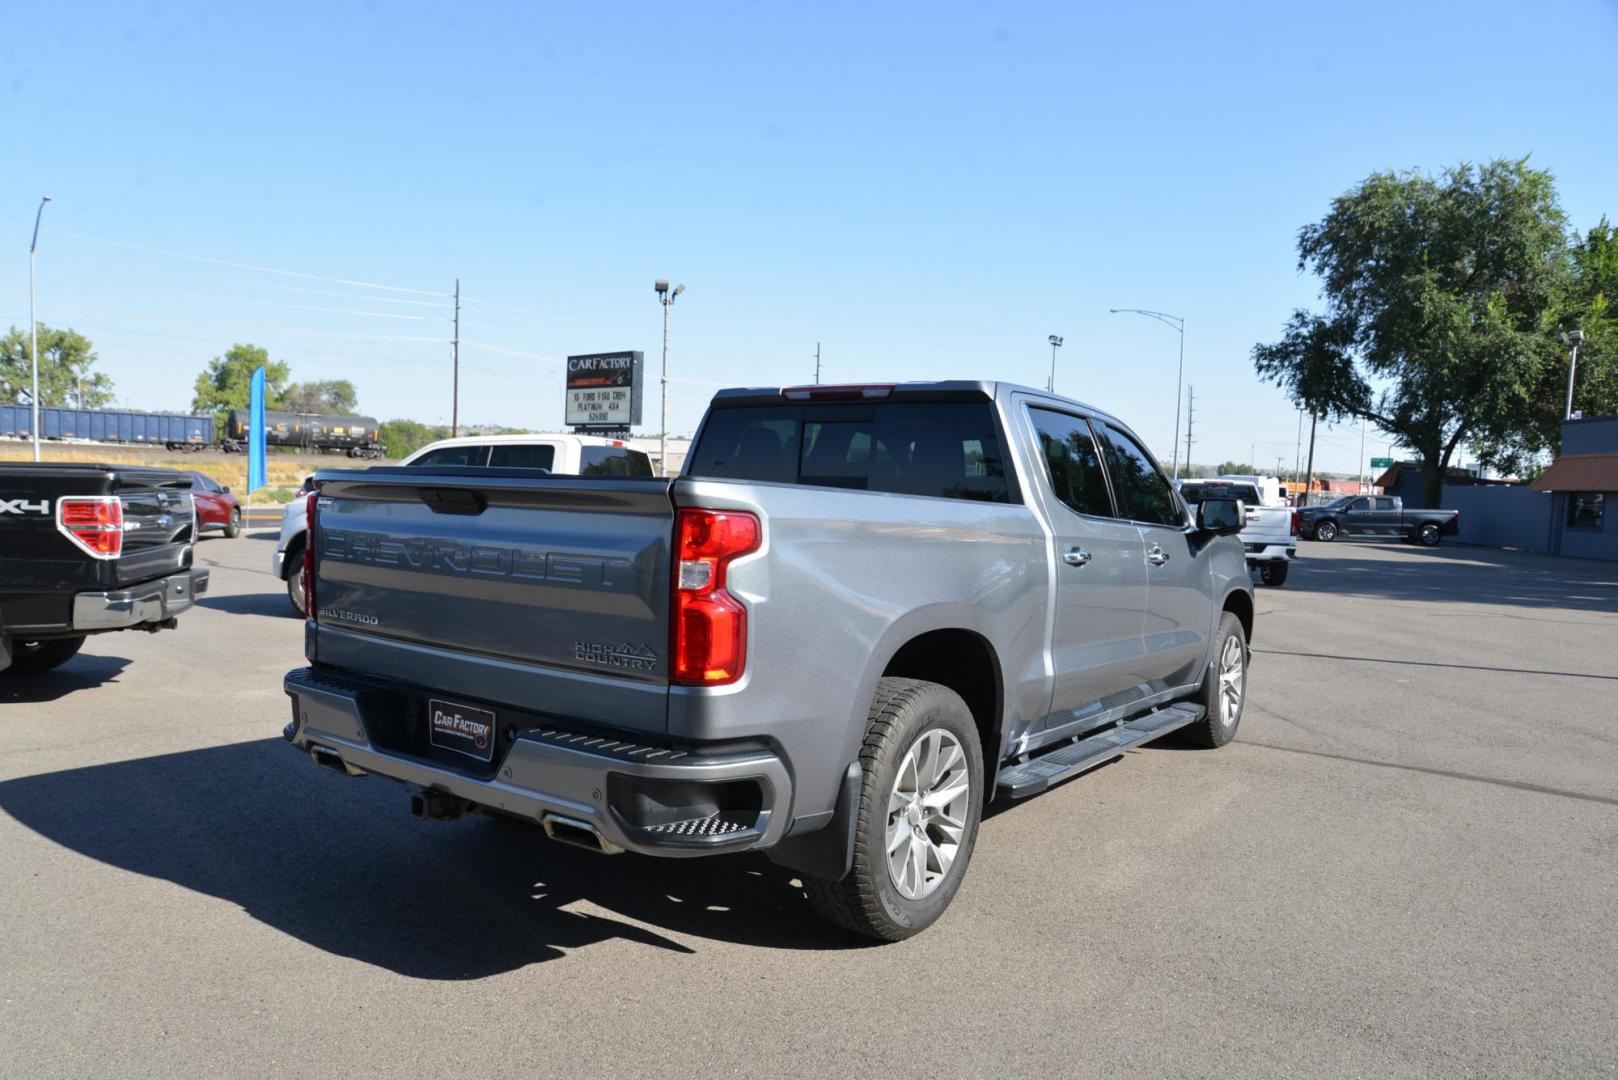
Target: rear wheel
x=1273 y=573
x=294 y=572
x=1427 y=536
x=1327 y=531
x=233 y=527
x=1224 y=688
x=34 y=657
x=920 y=800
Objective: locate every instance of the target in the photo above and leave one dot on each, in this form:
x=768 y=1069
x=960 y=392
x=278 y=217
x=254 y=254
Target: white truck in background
x=1271 y=535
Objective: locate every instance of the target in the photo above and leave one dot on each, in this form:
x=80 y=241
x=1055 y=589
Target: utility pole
x=1297 y=452
x=33 y=328
x=666 y=298
x=1309 y=480
x=817 y=363
x=455 y=400
x=1365 y=476
x=1190 y=419
x=1573 y=339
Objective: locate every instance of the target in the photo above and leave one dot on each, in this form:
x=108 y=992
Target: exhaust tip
x=565 y=830
x=331 y=759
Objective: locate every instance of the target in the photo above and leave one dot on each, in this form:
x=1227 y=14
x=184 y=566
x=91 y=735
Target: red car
x=217 y=508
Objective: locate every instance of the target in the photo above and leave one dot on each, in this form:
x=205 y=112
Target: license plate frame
x=461 y=729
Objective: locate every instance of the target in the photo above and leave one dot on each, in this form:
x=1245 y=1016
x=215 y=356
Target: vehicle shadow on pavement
x=83 y=672
x=337 y=862
x=1468 y=575
x=264 y=603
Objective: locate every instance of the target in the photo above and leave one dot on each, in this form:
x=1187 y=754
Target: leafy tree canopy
x=1442 y=295
x=330 y=397
x=404 y=437
x=227 y=382
x=65 y=376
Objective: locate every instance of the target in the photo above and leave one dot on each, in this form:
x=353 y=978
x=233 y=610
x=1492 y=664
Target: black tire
x=1428 y=536
x=35 y=657
x=294 y=572
x=1215 y=729
x=1326 y=531
x=866 y=900
x=233 y=528
x=1273 y=573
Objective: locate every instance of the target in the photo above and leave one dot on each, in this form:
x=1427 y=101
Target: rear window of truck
x=943 y=450
x=613 y=461
x=1194 y=492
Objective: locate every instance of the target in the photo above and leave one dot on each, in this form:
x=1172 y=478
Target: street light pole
x=33 y=324
x=1178 y=323
x=1056 y=343
x=1573 y=338
x=666 y=298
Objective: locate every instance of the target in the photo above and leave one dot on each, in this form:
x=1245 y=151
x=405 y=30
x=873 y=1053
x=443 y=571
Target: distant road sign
x=1381 y=463
x=604 y=390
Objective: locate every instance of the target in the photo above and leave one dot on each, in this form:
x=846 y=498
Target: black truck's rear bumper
x=623 y=794
x=151 y=603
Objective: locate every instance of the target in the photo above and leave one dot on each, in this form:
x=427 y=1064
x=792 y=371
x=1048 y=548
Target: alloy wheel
x=1232 y=680
x=927 y=813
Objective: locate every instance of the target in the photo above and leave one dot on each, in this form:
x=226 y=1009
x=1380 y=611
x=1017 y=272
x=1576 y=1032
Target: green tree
x=1441 y=294
x=330 y=396
x=227 y=383
x=65 y=378
x=404 y=437
x=1235 y=468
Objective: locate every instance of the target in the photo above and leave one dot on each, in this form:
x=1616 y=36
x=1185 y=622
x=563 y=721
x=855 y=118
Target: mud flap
x=826 y=853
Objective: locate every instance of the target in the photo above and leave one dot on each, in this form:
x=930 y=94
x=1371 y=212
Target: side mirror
x=1221 y=517
x=226 y=490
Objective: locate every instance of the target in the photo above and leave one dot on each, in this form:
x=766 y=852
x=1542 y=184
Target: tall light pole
x=1178 y=323
x=1056 y=343
x=666 y=298
x=1573 y=339
x=33 y=324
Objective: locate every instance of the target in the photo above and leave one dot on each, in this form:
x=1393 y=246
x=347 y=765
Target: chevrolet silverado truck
x=90 y=549
x=1360 y=517
x=1270 y=537
x=858 y=615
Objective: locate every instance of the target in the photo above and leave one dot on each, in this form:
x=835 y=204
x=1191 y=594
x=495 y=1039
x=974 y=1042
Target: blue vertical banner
x=256 y=477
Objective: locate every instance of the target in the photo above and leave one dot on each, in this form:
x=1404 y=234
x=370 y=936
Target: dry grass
x=284 y=471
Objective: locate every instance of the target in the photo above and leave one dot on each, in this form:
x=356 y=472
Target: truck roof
x=916 y=390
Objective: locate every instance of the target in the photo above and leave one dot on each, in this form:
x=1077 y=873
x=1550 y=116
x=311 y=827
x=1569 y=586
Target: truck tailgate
x=504 y=586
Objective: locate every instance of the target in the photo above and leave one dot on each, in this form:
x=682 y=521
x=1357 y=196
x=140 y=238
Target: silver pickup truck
x=858 y=615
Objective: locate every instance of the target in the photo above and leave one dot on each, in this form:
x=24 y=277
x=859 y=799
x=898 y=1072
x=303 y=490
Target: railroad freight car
x=351 y=435
x=177 y=431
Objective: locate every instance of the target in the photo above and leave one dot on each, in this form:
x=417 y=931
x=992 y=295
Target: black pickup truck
x=89 y=549
x=1367 y=516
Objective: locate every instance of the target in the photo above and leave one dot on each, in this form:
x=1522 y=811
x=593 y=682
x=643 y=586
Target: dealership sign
x=603 y=390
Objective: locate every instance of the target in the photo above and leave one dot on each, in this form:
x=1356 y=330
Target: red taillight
x=860 y=392
x=95 y=523
x=710 y=625
x=1294 y=523
x=309 y=556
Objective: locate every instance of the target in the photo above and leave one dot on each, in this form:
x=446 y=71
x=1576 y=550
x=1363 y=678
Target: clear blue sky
x=928 y=190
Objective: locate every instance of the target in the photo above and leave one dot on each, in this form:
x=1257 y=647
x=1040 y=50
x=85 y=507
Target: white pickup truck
x=1271 y=535
x=560 y=455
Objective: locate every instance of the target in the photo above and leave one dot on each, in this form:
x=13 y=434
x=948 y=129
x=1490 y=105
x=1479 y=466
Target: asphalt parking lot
x=1407 y=865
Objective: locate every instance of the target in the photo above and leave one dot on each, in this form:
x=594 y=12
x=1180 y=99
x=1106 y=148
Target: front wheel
x=233 y=527
x=294 y=572
x=1273 y=573
x=35 y=657
x=920 y=800
x=1224 y=687
x=1427 y=536
x=1326 y=531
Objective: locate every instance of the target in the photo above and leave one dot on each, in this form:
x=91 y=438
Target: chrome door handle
x=1076 y=557
x=1157 y=556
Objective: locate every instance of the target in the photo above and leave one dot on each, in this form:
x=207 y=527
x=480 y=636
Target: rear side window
x=944 y=450
x=453 y=455
x=1072 y=462
x=522 y=456
x=613 y=461
x=1143 y=491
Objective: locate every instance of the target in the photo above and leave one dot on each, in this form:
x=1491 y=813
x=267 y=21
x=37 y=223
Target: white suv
x=565 y=455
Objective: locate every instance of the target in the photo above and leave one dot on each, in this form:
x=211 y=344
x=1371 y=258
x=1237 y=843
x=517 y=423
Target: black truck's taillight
x=710 y=625
x=309 y=556
x=95 y=524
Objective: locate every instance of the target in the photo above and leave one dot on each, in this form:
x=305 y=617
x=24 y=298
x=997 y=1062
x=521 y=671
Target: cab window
x=1142 y=491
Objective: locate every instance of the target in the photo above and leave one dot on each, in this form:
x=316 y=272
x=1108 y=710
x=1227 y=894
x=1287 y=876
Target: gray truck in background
x=857 y=616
